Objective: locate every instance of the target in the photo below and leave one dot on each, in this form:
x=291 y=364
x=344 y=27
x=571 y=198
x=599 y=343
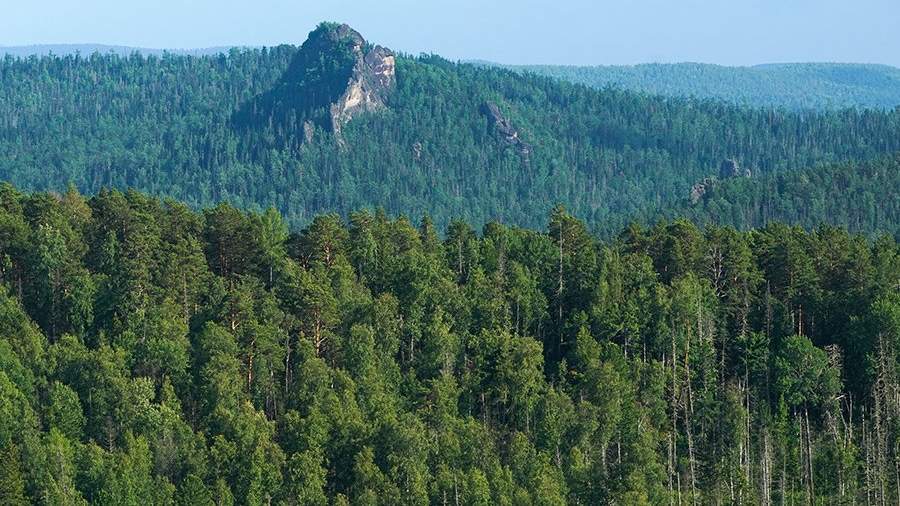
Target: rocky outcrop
x=333 y=77
x=370 y=82
x=730 y=168
x=504 y=128
x=699 y=189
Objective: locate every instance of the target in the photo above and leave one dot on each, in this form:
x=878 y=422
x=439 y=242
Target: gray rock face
x=334 y=76
x=728 y=169
x=700 y=189
x=373 y=77
x=504 y=128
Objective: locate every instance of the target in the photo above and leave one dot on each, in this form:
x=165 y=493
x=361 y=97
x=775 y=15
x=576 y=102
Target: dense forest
x=861 y=196
x=151 y=354
x=452 y=140
x=795 y=86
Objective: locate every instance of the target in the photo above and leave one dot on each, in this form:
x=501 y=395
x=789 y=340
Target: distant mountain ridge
x=89 y=49
x=796 y=86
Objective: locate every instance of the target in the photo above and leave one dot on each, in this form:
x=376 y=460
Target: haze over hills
x=89 y=49
x=791 y=85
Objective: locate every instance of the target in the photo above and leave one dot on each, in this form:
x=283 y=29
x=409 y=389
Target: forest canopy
x=152 y=354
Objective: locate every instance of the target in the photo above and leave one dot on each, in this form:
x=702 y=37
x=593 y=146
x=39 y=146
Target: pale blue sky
x=733 y=32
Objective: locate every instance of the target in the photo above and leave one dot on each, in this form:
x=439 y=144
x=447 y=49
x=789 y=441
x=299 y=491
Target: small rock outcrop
x=504 y=128
x=699 y=189
x=730 y=168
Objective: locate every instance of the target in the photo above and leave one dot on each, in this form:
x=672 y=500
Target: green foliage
x=64 y=412
x=153 y=354
x=853 y=195
x=376 y=362
x=12 y=481
x=194 y=492
x=803 y=374
x=17 y=418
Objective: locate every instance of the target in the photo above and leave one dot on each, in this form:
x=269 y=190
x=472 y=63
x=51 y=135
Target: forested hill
x=793 y=86
x=339 y=125
x=860 y=196
x=153 y=355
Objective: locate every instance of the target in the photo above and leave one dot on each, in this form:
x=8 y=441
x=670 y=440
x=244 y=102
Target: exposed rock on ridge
x=372 y=79
x=504 y=128
x=699 y=189
x=333 y=77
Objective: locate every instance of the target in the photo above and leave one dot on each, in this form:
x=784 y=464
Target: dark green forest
x=861 y=196
x=335 y=275
x=795 y=86
x=205 y=129
x=152 y=354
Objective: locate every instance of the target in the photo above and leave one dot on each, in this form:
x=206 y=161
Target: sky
x=581 y=32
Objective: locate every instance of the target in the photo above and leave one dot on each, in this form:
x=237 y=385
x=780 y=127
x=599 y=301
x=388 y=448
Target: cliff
x=334 y=76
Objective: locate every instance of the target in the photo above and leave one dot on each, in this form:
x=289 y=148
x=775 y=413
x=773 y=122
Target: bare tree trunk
x=184 y=298
x=287 y=363
x=559 y=289
x=673 y=437
x=809 y=459
x=880 y=388
x=897 y=474
x=766 y=472
x=250 y=372
x=804 y=476
x=748 y=441
x=688 y=413
x=866 y=443
x=783 y=475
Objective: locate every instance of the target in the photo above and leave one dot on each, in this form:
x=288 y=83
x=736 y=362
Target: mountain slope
x=446 y=139
x=860 y=196
x=790 y=85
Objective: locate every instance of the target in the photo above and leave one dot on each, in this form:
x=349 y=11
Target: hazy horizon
x=574 y=32
x=42 y=49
